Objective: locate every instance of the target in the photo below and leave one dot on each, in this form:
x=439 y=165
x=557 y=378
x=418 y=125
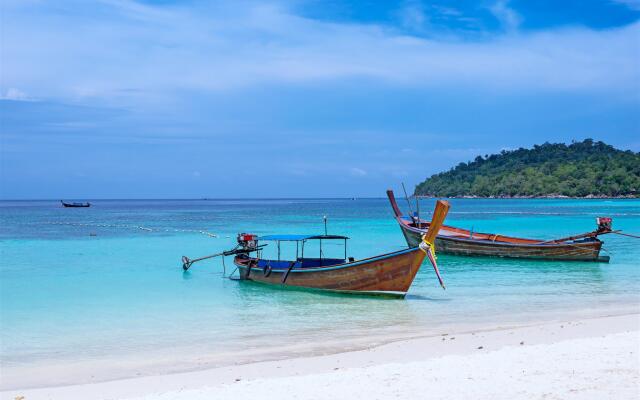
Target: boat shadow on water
x=421 y=297
x=283 y=292
x=254 y=286
x=462 y=263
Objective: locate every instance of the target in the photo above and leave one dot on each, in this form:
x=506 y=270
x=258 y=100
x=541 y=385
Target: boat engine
x=247 y=241
x=604 y=224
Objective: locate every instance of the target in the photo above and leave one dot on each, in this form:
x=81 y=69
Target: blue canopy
x=297 y=238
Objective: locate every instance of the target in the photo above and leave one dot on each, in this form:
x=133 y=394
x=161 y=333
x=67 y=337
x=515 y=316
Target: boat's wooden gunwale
x=536 y=243
x=467 y=234
x=344 y=265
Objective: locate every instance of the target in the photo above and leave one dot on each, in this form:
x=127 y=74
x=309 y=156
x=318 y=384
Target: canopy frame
x=303 y=239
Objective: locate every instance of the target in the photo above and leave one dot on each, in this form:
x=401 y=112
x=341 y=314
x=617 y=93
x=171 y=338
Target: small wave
x=138 y=227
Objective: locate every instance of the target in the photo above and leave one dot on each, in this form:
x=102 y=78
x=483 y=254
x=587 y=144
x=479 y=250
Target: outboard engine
x=247 y=241
x=604 y=224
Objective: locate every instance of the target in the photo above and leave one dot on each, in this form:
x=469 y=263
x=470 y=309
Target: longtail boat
x=463 y=242
x=77 y=205
x=388 y=274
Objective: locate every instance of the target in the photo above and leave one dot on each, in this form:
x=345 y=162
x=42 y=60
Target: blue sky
x=163 y=99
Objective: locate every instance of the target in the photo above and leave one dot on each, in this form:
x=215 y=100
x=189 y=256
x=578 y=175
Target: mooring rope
x=627 y=234
x=230 y=277
x=224 y=268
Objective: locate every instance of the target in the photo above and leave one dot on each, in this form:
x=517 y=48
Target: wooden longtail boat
x=77 y=205
x=387 y=274
x=462 y=242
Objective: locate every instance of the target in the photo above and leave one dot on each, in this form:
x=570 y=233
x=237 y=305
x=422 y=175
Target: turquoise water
x=82 y=287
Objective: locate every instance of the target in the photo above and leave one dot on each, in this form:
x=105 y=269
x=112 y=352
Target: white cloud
x=448 y=11
x=507 y=16
x=357 y=171
x=161 y=50
x=412 y=16
x=632 y=4
x=15 y=95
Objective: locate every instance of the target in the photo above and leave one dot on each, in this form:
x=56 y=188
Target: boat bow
x=428 y=239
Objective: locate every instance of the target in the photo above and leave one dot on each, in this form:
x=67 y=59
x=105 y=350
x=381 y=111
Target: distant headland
x=584 y=169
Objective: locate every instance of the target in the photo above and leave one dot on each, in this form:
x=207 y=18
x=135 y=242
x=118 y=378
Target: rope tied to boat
x=627 y=234
x=428 y=248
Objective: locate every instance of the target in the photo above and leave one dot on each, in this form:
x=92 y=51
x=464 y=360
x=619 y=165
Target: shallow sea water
x=84 y=287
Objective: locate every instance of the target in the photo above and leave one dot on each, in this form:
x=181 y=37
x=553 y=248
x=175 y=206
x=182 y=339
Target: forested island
x=581 y=169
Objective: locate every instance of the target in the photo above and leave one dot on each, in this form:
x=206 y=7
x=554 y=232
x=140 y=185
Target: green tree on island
x=580 y=169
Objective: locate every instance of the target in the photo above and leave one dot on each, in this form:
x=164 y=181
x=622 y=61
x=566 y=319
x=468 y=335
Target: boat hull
x=76 y=205
x=389 y=275
x=578 y=251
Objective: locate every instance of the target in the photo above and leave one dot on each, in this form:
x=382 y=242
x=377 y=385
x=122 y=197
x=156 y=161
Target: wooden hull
x=587 y=250
x=461 y=242
x=388 y=274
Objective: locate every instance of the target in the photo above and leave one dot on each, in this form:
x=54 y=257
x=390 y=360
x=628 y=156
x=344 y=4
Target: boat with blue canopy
x=388 y=274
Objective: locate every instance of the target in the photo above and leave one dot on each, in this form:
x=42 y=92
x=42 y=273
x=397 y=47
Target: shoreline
x=50 y=373
x=506 y=340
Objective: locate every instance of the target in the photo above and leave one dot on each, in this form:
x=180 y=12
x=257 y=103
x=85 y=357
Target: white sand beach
x=596 y=358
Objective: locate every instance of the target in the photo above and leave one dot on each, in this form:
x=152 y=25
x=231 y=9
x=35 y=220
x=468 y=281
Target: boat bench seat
x=301 y=263
x=317 y=262
x=275 y=264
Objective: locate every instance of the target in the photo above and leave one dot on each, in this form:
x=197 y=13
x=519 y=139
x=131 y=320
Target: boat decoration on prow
x=463 y=242
x=388 y=274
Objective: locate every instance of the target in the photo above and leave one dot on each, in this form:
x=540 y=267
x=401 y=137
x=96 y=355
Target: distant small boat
x=463 y=242
x=78 y=205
